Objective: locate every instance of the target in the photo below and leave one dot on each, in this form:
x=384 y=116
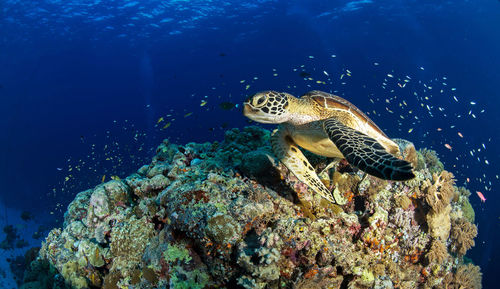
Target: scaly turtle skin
x=329 y=126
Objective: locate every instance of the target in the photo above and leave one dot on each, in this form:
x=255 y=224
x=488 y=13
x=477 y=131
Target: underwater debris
x=206 y=215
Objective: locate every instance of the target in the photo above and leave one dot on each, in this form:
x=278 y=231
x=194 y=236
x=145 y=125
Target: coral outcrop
x=228 y=215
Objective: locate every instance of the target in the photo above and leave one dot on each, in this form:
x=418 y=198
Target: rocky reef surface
x=228 y=215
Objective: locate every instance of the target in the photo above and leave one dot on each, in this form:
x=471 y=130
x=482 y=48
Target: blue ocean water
x=88 y=89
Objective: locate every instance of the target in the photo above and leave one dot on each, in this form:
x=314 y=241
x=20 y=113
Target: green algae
x=176 y=254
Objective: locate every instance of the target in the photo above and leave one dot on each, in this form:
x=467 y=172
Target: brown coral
x=437 y=253
x=466 y=276
x=439 y=223
x=431 y=160
x=463 y=234
x=439 y=191
x=402 y=201
x=408 y=151
x=438 y=194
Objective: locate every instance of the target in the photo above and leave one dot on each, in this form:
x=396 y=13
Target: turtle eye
x=259 y=100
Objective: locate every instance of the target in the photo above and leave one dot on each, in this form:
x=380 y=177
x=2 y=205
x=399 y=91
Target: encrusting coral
x=207 y=216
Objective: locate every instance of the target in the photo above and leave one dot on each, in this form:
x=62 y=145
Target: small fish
x=468 y=180
x=159 y=120
x=59 y=169
x=439 y=129
x=325 y=73
x=448 y=146
x=203 y=103
x=247 y=86
x=103 y=178
x=390 y=75
x=481 y=196
x=166 y=125
x=188 y=114
x=460 y=135
x=116 y=178
x=226 y=105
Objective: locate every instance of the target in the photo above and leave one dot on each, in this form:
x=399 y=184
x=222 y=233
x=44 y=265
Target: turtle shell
x=330 y=101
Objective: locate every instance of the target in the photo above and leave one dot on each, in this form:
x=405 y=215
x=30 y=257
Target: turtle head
x=267 y=107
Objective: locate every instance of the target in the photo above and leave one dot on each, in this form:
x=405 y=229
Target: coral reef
x=228 y=215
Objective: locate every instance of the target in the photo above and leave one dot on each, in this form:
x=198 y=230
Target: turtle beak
x=247 y=110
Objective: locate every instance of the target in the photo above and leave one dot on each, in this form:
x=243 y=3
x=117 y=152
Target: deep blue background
x=65 y=80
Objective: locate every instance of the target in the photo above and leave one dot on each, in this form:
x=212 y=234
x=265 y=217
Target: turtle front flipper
x=366 y=153
x=291 y=156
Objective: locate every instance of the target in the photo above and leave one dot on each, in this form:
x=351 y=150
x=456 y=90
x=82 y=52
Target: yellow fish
x=203 y=103
x=103 y=178
x=167 y=125
x=188 y=114
x=159 y=120
x=116 y=178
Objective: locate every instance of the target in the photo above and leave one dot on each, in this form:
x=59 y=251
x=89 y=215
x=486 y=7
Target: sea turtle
x=326 y=125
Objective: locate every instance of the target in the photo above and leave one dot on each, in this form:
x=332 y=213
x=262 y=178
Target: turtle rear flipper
x=366 y=153
x=291 y=156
